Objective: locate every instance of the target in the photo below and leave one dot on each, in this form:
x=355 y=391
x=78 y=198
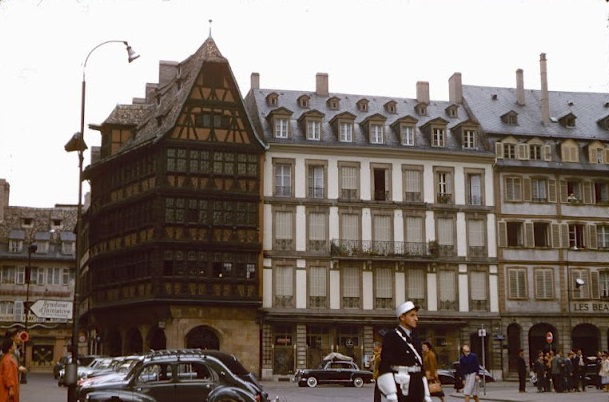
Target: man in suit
x=401 y=373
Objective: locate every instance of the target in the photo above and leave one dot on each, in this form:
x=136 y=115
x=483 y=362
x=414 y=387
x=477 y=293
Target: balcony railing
x=348 y=194
x=362 y=248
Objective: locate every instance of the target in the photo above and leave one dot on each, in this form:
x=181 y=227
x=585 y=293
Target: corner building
x=174 y=224
x=370 y=201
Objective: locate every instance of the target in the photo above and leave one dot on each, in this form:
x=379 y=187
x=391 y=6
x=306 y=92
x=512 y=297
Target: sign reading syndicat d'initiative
x=54 y=309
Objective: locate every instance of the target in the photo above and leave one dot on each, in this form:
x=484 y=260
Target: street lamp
x=77 y=143
x=28 y=273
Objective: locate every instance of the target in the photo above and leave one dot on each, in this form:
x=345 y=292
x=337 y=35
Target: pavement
x=507 y=391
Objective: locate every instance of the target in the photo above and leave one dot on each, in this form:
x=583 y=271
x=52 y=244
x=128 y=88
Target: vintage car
x=338 y=369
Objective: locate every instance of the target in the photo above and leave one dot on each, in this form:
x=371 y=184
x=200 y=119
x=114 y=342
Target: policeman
x=401 y=373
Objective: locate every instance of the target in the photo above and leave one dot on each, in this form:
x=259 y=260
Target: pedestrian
x=401 y=377
x=579 y=363
x=469 y=368
x=540 y=372
x=430 y=362
x=604 y=372
x=9 y=372
x=522 y=371
x=556 y=372
x=14 y=335
x=376 y=363
x=548 y=383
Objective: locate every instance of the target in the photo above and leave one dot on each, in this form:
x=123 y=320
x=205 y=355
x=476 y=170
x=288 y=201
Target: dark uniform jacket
x=399 y=350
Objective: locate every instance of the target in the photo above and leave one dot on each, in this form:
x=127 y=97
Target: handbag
x=435 y=387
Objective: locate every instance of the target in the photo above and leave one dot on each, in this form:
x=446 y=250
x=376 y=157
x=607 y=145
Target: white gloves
x=392 y=398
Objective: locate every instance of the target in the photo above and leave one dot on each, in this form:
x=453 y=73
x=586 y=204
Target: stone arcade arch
x=514 y=344
x=586 y=337
x=157 y=339
x=538 y=339
x=134 y=344
x=114 y=343
x=202 y=337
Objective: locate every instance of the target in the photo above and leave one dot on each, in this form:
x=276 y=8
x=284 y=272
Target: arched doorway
x=475 y=345
x=514 y=344
x=157 y=339
x=586 y=337
x=114 y=343
x=134 y=343
x=538 y=339
x=202 y=337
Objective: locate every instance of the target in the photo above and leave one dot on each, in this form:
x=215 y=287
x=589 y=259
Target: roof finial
x=210 y=28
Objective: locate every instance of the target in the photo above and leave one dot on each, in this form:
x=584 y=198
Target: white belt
x=406 y=369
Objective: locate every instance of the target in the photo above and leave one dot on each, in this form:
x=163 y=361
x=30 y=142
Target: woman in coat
x=430 y=363
x=9 y=373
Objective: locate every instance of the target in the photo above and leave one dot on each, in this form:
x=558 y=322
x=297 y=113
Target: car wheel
x=358 y=382
x=312 y=382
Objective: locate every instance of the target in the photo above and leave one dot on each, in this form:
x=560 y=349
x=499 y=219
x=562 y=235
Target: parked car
x=184 y=375
x=67 y=359
x=82 y=370
x=449 y=376
x=334 y=369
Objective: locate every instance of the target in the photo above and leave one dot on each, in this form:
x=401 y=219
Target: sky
x=367 y=47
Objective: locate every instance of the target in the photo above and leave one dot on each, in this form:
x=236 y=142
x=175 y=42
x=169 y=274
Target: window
x=313 y=130
x=382 y=234
x=535 y=152
x=576 y=235
x=541 y=234
x=602 y=236
x=444 y=187
x=8 y=274
x=574 y=191
x=513 y=189
x=376 y=134
x=474 y=189
x=581 y=292
x=445 y=236
x=412 y=185
x=284 y=286
x=603 y=282
x=284 y=232
x=281 y=127
x=318 y=287
x=349 y=182
x=209 y=119
x=383 y=288
x=509 y=151
x=539 y=191
x=478 y=290
x=381 y=181
x=601 y=192
x=283 y=180
x=318 y=232
x=517 y=283
x=415 y=286
x=438 y=139
x=544 y=283
x=469 y=139
x=346 y=132
x=350 y=287
x=407 y=135
x=447 y=290
x=515 y=235
x=414 y=235
x=476 y=237
x=316 y=181
x=349 y=232
x=569 y=151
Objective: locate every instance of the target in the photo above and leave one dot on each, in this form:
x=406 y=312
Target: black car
x=334 y=371
x=183 y=375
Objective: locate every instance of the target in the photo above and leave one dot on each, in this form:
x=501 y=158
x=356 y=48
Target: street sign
x=24 y=336
x=549 y=337
x=57 y=309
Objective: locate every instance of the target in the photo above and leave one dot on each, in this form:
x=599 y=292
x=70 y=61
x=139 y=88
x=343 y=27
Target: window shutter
x=594 y=285
x=547 y=153
x=499 y=150
x=593 y=240
x=528 y=234
x=564 y=235
x=522 y=151
x=502 y=234
x=587 y=192
x=551 y=190
x=563 y=191
x=555 y=235
x=526 y=190
x=606 y=156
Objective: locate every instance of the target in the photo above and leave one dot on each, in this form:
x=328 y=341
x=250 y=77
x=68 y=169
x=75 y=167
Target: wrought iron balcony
x=361 y=248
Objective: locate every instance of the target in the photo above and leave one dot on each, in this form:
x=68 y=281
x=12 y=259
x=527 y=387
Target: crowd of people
x=558 y=373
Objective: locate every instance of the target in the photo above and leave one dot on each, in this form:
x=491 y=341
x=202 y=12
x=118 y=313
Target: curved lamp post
x=77 y=143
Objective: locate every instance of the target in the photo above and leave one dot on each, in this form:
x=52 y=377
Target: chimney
x=255 y=81
x=167 y=71
x=5 y=190
x=545 y=101
x=423 y=92
x=151 y=92
x=520 y=87
x=321 y=84
x=455 y=89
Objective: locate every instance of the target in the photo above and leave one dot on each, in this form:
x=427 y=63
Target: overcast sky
x=368 y=47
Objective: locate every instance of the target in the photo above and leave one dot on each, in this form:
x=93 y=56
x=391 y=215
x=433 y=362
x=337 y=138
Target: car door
x=195 y=380
x=156 y=381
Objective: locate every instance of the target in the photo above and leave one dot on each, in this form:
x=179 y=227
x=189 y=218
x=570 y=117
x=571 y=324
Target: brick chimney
x=545 y=100
x=423 y=92
x=167 y=71
x=455 y=89
x=520 y=87
x=321 y=84
x=5 y=190
x=255 y=81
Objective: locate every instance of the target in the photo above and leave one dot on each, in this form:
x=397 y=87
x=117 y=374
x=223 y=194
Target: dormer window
x=333 y=103
x=421 y=109
x=567 y=120
x=597 y=153
x=375 y=126
x=303 y=101
x=470 y=140
x=407 y=135
x=506 y=149
x=362 y=105
x=510 y=118
x=569 y=151
x=272 y=99
x=27 y=222
x=438 y=137
x=346 y=131
x=311 y=123
x=279 y=120
x=452 y=111
x=603 y=123
x=391 y=107
x=342 y=125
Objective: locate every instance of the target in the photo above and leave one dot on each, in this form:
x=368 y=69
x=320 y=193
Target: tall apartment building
x=552 y=193
x=41 y=241
x=370 y=201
